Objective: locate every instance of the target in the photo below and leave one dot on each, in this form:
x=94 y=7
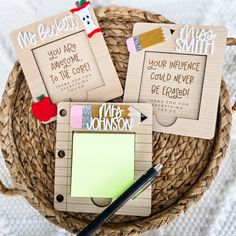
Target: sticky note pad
x=102 y=164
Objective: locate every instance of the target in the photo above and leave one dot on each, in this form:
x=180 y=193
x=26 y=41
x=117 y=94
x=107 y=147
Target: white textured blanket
x=215 y=214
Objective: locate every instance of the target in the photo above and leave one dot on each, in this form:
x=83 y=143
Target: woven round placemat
x=190 y=164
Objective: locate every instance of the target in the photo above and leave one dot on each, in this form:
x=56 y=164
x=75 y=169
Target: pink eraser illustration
x=76 y=116
x=130 y=45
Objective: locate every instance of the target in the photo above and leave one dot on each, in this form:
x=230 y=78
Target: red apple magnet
x=44 y=109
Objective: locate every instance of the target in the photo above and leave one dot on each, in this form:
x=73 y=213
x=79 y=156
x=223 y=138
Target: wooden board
x=141 y=206
x=64 y=61
x=180 y=75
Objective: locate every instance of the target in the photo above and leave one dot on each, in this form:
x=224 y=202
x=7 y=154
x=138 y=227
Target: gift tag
x=177 y=68
x=65 y=58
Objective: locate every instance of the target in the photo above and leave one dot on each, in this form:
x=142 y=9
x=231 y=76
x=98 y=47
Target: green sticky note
x=102 y=164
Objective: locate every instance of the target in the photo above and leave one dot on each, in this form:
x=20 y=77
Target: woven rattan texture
x=190 y=164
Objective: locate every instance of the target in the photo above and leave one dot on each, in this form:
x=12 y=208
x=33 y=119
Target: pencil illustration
x=148 y=39
x=135 y=114
x=82 y=115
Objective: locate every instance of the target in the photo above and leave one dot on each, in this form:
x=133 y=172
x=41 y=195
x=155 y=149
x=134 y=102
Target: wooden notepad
x=179 y=72
x=98 y=118
x=65 y=58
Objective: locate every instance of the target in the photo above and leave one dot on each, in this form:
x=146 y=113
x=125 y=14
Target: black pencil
x=139 y=185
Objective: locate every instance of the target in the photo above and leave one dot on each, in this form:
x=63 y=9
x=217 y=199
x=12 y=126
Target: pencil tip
x=172 y=31
x=143 y=117
x=158 y=167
